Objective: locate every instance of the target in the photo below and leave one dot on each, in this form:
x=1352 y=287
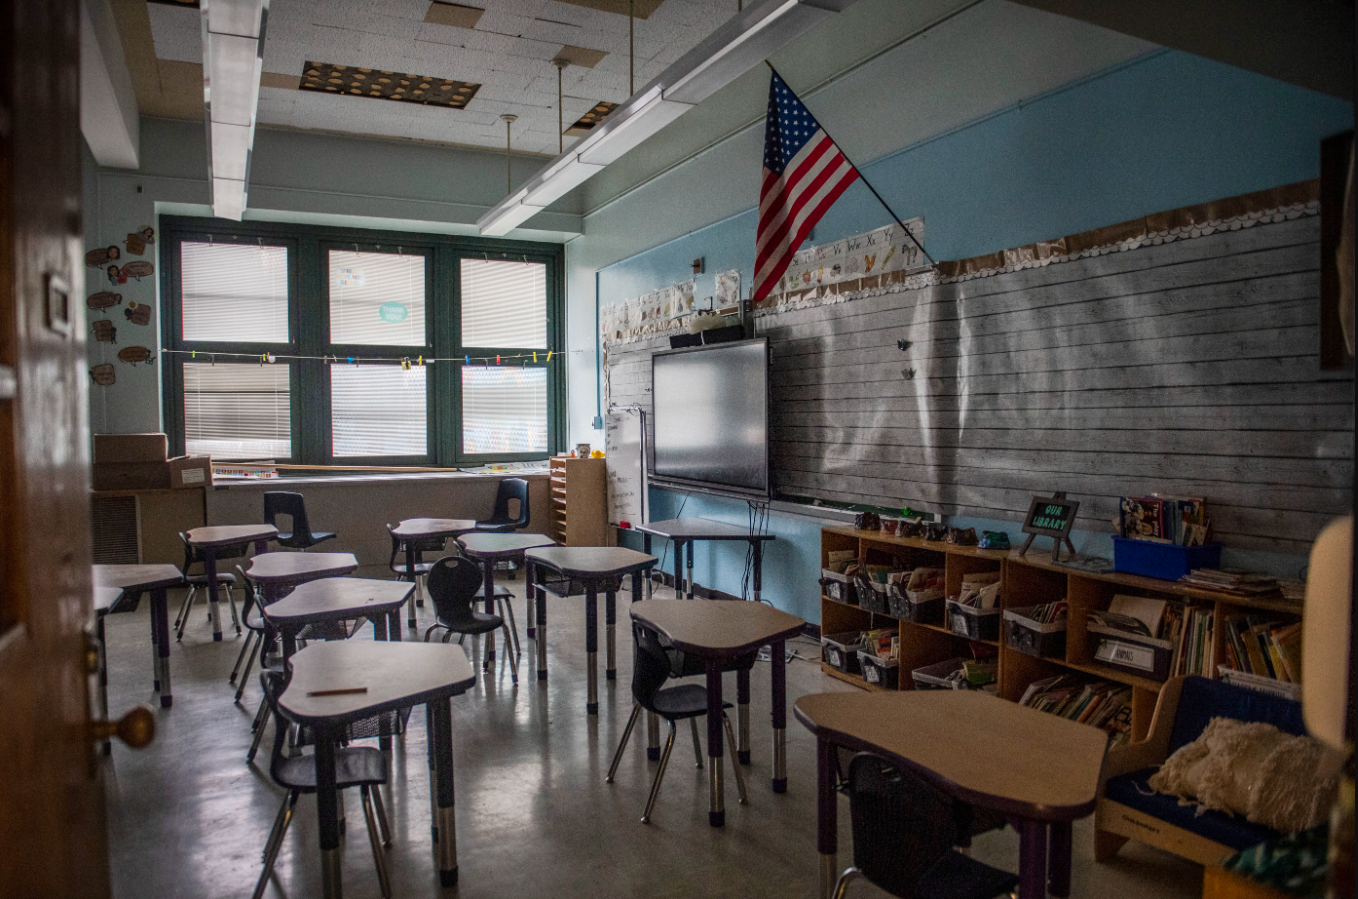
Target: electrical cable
x=664 y=554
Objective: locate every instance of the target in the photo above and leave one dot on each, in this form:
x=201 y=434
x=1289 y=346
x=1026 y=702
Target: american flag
x=804 y=173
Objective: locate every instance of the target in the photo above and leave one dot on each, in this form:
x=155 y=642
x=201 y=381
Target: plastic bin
x=935 y=677
x=902 y=604
x=879 y=671
x=838 y=587
x=874 y=597
x=973 y=623
x=1132 y=653
x=1165 y=561
x=840 y=651
x=1034 y=638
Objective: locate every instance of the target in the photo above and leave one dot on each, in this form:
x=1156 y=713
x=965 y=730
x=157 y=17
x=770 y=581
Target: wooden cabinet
x=576 y=511
x=1025 y=581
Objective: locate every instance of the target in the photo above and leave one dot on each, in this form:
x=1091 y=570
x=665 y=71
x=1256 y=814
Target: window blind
x=378 y=410
x=504 y=304
x=376 y=299
x=234 y=411
x=234 y=292
x=504 y=409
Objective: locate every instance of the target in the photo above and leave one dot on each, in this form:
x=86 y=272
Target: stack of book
x=1263 y=647
x=1194 y=649
x=1097 y=703
x=1230 y=580
x=1181 y=520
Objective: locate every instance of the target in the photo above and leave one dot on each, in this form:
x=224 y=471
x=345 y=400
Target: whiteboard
x=625 y=453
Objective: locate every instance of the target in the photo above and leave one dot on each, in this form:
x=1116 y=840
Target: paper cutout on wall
x=138 y=268
x=104 y=332
x=728 y=289
x=137 y=241
x=103 y=300
x=116 y=275
x=135 y=354
x=102 y=256
x=138 y=313
x=884 y=250
x=104 y=375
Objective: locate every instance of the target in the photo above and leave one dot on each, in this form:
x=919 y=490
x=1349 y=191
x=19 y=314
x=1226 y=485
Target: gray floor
x=189 y=818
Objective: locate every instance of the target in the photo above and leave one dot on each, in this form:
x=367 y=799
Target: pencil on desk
x=342 y=691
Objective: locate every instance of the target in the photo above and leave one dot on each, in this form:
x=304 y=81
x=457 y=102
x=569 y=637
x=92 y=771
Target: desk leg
x=743 y=716
x=758 y=568
x=213 y=596
x=1032 y=860
x=716 y=804
x=103 y=672
x=488 y=586
x=592 y=648
x=689 y=548
x=155 y=649
x=414 y=579
x=380 y=633
x=827 y=815
x=610 y=635
x=678 y=569
x=531 y=630
x=443 y=762
x=394 y=625
x=1058 y=860
x=650 y=584
x=652 y=737
x=289 y=642
x=161 y=628
x=539 y=594
x=327 y=808
x=778 y=700
x=636 y=586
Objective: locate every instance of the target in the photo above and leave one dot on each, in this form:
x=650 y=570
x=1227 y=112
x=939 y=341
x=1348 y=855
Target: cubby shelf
x=1026 y=580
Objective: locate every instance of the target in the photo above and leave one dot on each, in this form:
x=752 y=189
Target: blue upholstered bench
x=1128 y=809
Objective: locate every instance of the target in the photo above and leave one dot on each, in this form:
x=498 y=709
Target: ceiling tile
x=453 y=15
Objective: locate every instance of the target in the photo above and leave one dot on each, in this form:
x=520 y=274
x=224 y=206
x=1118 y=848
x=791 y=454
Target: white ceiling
x=509 y=53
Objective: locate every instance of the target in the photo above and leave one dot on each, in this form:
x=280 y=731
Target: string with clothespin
x=535 y=357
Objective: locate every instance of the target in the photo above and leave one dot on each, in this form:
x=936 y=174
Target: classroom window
x=330 y=346
x=378 y=410
x=234 y=292
x=504 y=409
x=234 y=411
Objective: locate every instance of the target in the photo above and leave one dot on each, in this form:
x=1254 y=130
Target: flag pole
x=861 y=176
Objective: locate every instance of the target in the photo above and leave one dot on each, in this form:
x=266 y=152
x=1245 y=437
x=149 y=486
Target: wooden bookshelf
x=577 y=500
x=1025 y=581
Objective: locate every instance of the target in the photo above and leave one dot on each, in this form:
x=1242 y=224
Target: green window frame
x=308 y=279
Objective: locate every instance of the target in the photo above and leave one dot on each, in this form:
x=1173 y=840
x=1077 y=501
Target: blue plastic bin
x=1165 y=561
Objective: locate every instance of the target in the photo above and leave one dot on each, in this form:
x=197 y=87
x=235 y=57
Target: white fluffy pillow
x=1255 y=770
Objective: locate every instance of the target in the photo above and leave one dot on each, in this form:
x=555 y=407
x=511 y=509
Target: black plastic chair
x=397 y=564
x=500 y=521
x=279 y=502
x=652 y=665
x=453 y=585
x=904 y=830
x=196 y=582
x=252 y=614
x=355 y=766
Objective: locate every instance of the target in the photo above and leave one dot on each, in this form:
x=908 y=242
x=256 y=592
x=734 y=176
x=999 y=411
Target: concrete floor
x=188 y=817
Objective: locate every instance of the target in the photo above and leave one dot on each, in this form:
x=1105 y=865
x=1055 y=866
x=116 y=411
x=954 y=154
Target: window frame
x=309 y=332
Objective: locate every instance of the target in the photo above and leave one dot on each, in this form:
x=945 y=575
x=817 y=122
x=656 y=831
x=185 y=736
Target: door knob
x=137 y=728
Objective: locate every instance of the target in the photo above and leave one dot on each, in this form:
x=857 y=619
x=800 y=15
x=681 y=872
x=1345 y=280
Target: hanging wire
x=355 y=360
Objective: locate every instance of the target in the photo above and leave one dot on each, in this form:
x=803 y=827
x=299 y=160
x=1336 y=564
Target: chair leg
x=507 y=613
x=240 y=657
x=430 y=631
x=659 y=776
x=735 y=763
x=276 y=841
x=231 y=601
x=697 y=743
x=184 y=619
x=379 y=858
x=381 y=809
x=419 y=590
x=249 y=663
x=260 y=721
x=410 y=608
x=184 y=606
x=513 y=665
x=841 y=885
x=622 y=744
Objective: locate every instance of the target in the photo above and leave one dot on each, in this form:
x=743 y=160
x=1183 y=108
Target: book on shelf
x=1159 y=518
x=1098 y=703
x=1264 y=647
x=1134 y=615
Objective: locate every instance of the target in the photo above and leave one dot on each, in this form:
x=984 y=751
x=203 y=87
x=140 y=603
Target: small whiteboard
x=625 y=452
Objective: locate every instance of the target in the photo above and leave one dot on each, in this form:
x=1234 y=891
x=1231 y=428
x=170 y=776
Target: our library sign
x=1050 y=516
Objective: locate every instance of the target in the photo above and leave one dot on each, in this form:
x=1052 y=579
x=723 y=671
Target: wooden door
x=52 y=830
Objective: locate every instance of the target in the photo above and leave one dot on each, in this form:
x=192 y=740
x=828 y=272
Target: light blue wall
x=1166 y=131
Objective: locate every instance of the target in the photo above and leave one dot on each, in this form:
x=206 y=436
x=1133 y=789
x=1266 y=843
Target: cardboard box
x=120 y=448
x=131 y=475
x=190 y=471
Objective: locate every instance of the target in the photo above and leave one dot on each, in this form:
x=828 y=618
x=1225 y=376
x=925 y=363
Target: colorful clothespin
x=405 y=363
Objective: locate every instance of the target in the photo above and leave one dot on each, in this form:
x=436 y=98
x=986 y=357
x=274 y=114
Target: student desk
x=491 y=548
x=687 y=531
x=721 y=632
x=396 y=676
x=1038 y=770
x=275 y=572
x=340 y=599
x=155 y=579
x=209 y=539
x=592 y=568
x=412 y=530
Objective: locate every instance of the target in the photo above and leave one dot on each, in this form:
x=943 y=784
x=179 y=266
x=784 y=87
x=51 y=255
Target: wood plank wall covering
x=1188 y=367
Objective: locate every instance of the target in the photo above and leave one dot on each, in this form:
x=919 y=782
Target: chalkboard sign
x=1050 y=516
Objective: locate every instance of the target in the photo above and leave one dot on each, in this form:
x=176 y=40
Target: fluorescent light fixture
x=233 y=59
x=745 y=41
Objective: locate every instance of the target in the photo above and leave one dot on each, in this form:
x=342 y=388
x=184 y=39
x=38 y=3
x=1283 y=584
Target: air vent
x=113 y=521
x=586 y=122
x=384 y=85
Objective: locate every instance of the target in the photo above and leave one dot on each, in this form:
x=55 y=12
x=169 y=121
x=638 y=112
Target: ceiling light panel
x=233 y=58
x=454 y=15
x=232 y=83
x=386 y=85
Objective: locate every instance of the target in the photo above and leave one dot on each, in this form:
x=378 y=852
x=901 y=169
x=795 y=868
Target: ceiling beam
x=1308 y=43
